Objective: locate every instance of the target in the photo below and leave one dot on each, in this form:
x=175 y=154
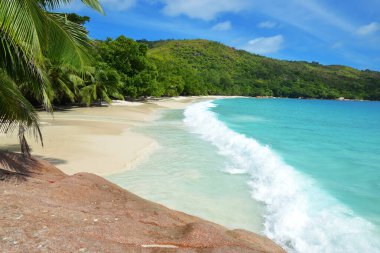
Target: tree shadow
x=52 y=160
x=15 y=148
x=62 y=108
x=11 y=147
x=14 y=166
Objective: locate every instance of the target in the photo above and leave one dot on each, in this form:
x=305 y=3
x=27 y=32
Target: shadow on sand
x=52 y=160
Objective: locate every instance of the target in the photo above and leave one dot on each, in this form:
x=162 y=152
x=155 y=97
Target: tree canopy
x=212 y=68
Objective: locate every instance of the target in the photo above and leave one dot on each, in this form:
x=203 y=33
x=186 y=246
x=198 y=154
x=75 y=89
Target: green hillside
x=201 y=67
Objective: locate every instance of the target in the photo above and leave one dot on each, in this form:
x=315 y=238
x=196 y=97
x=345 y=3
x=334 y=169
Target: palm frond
x=73 y=43
x=19 y=36
x=88 y=94
x=94 y=4
x=28 y=33
x=105 y=96
x=65 y=89
x=53 y=4
x=16 y=112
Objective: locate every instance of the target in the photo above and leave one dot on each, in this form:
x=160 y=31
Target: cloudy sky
x=330 y=32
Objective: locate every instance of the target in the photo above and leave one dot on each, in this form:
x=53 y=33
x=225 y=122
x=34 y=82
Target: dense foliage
x=137 y=73
x=200 y=67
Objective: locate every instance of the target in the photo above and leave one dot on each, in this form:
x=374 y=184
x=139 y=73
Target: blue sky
x=330 y=32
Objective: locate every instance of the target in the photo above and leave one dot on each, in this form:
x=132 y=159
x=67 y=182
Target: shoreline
x=99 y=140
x=75 y=207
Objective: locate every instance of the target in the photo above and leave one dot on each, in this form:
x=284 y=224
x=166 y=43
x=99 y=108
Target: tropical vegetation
x=201 y=67
x=31 y=35
x=48 y=60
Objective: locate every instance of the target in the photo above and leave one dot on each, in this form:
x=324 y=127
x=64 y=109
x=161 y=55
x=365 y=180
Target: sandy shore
x=46 y=210
x=98 y=140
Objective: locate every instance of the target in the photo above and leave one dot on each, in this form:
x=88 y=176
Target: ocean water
x=305 y=173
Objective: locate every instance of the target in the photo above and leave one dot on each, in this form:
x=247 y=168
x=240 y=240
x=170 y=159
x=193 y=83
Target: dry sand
x=98 y=140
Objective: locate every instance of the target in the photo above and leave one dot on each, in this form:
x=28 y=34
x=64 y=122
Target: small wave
x=299 y=215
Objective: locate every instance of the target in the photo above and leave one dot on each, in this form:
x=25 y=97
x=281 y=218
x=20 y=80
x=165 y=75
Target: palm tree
x=103 y=85
x=29 y=33
x=66 y=81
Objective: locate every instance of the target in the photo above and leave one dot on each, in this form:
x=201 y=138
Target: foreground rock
x=44 y=210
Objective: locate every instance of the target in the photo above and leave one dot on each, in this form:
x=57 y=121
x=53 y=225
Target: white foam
x=300 y=216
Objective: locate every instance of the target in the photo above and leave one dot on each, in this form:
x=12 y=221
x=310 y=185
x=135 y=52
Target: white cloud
x=267 y=24
x=337 y=45
x=223 y=26
x=118 y=5
x=202 y=9
x=368 y=29
x=265 y=45
x=312 y=16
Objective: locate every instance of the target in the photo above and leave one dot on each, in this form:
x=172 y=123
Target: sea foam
x=299 y=215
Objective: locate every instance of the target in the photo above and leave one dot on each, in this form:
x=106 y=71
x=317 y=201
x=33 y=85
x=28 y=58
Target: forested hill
x=201 y=67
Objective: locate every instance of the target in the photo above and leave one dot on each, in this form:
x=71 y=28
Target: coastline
x=98 y=140
x=143 y=114
x=76 y=209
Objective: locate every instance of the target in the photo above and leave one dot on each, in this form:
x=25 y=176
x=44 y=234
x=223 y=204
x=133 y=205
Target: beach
x=202 y=156
x=72 y=207
x=97 y=140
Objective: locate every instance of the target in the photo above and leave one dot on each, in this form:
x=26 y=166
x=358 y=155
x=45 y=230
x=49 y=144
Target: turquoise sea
x=305 y=173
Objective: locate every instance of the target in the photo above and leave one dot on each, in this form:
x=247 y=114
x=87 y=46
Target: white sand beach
x=98 y=140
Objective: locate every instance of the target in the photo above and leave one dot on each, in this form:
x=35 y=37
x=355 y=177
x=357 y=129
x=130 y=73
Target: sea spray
x=299 y=214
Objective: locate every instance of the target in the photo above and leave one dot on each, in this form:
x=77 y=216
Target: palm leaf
x=88 y=94
x=20 y=43
x=28 y=32
x=73 y=43
x=16 y=112
x=53 y=4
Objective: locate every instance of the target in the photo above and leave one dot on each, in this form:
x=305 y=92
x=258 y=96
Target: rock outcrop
x=44 y=210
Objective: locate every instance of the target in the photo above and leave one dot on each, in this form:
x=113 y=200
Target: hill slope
x=201 y=67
